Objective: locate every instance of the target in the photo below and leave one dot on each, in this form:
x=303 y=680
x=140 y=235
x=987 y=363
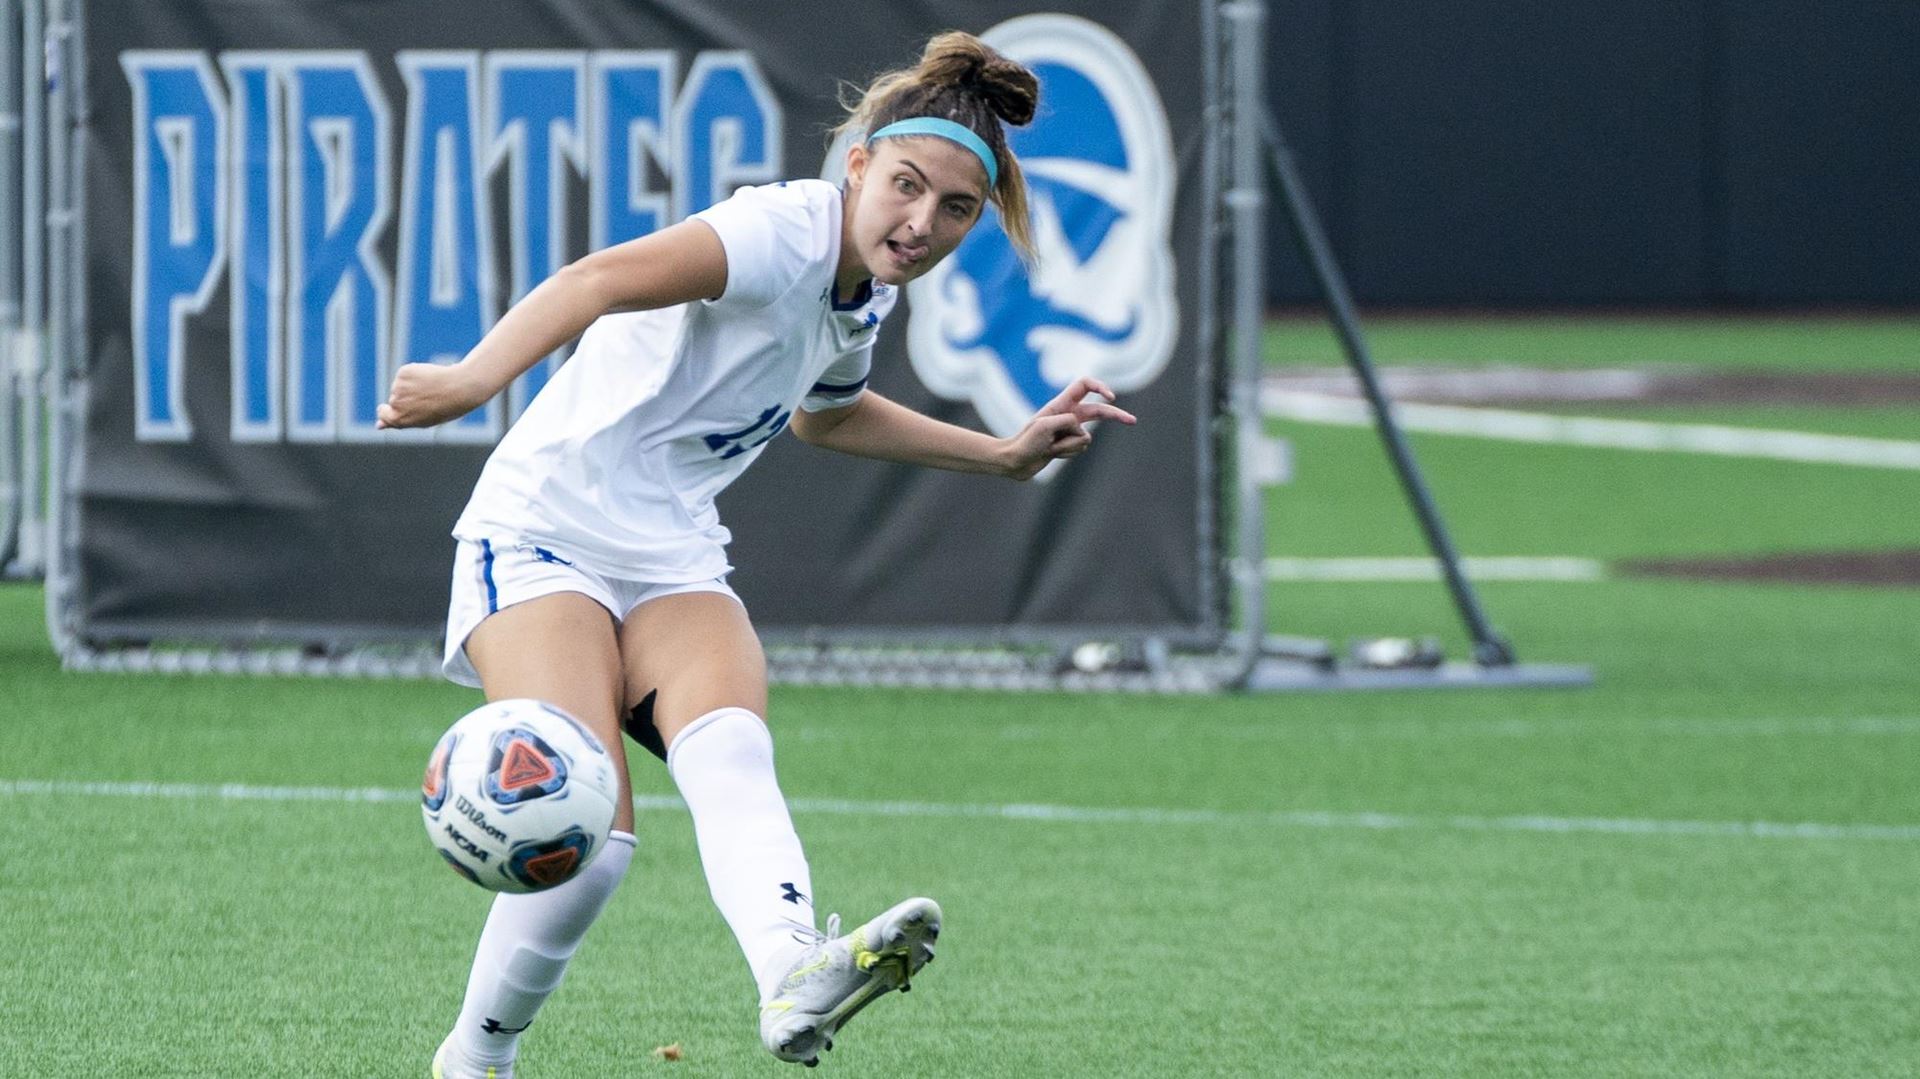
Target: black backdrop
x=1670 y=152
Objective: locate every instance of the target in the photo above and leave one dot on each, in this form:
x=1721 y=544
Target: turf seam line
x=1480 y=568
x=1807 y=830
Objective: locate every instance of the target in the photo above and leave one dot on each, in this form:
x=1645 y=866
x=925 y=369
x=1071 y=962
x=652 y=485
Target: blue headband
x=946 y=129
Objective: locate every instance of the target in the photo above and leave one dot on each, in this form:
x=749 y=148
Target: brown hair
x=960 y=78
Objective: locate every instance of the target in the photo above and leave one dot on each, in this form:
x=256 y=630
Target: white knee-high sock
x=756 y=870
x=524 y=950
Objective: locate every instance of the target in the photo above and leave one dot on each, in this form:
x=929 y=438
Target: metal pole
x=59 y=187
x=10 y=44
x=1216 y=593
x=67 y=336
x=29 y=354
x=1489 y=648
x=1246 y=206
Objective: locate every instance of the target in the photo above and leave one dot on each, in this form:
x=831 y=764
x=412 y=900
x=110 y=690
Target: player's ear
x=857 y=158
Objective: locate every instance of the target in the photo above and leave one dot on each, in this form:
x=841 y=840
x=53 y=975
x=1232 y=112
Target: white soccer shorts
x=491 y=575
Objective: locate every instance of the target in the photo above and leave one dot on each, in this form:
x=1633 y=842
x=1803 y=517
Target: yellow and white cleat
x=449 y=1064
x=834 y=977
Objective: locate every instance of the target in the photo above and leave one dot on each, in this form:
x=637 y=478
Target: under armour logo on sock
x=492 y=1026
x=794 y=895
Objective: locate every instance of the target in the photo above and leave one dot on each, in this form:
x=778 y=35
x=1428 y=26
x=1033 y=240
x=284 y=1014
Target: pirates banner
x=286 y=201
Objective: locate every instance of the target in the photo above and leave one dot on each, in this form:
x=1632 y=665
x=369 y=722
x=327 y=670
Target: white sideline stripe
x=1058 y=814
x=1428 y=569
x=1481 y=385
x=1643 y=435
x=1457 y=728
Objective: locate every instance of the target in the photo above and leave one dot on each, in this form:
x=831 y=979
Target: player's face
x=910 y=202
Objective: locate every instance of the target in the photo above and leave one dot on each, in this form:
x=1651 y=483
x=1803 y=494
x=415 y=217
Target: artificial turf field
x=1704 y=865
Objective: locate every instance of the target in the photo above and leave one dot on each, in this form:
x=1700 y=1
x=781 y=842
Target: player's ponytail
x=960 y=78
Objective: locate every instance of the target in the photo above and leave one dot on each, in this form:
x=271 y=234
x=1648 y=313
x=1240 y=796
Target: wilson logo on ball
x=523 y=767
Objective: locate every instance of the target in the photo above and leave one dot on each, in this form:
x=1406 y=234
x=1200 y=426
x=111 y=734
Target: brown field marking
x=1877 y=569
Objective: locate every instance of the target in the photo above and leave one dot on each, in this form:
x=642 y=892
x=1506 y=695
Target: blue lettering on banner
x=536 y=121
x=728 y=125
x=633 y=95
x=257 y=282
x=179 y=199
x=339 y=290
x=446 y=251
x=284 y=176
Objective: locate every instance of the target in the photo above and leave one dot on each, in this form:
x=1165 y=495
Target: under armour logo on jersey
x=795 y=895
x=492 y=1026
x=735 y=443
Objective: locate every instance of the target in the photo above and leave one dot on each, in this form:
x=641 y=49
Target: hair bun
x=962 y=60
x=1010 y=90
x=952 y=59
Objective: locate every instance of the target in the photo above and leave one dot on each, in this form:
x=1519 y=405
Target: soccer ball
x=518 y=796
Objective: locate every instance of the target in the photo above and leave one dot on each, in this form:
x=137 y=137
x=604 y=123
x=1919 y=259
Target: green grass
x=1508 y=498
x=200 y=937
x=196 y=936
x=1816 y=342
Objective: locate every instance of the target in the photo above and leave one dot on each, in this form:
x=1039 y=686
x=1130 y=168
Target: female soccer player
x=591 y=569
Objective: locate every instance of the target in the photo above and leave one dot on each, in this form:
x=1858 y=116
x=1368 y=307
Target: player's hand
x=425 y=394
x=1060 y=429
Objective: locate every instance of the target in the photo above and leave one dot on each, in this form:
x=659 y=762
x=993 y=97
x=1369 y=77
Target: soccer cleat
x=449 y=1064
x=833 y=977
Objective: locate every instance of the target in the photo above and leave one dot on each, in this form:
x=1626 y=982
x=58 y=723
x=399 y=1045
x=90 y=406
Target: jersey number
x=733 y=444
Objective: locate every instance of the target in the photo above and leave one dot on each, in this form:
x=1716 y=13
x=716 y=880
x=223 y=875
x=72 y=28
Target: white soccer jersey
x=621 y=455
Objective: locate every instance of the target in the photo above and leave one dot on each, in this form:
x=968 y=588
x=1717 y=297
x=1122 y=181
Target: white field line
x=1481 y=385
x=1054 y=814
x=1309 y=730
x=1427 y=569
x=1510 y=426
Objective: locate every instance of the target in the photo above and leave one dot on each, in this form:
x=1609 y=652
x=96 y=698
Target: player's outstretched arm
x=673 y=266
x=876 y=427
